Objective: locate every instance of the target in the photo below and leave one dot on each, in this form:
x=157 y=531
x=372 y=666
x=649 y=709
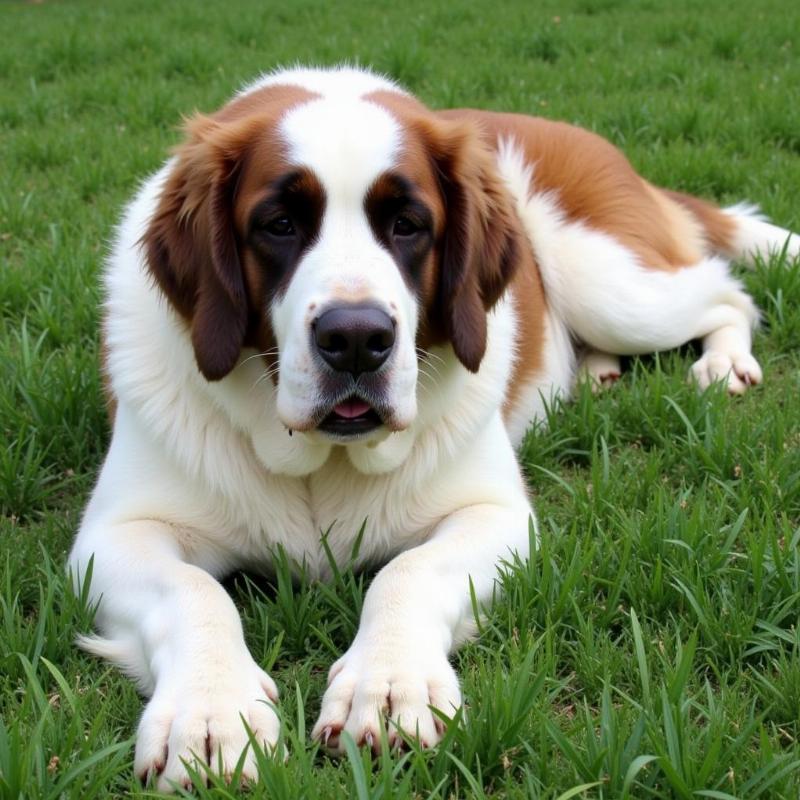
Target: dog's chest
x=345 y=503
x=331 y=511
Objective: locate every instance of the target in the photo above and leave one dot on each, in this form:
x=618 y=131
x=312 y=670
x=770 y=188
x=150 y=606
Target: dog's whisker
x=428 y=356
x=426 y=380
x=269 y=373
x=428 y=353
x=430 y=369
x=266 y=375
x=271 y=352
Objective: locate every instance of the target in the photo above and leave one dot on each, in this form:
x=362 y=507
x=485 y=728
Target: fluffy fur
x=528 y=239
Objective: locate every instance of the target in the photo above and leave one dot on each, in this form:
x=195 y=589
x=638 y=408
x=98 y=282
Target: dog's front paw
x=375 y=686
x=737 y=371
x=200 y=719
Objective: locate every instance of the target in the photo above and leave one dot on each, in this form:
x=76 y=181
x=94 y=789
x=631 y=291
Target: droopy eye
x=405 y=226
x=279 y=226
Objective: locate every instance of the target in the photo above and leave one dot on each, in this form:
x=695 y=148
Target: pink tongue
x=351 y=408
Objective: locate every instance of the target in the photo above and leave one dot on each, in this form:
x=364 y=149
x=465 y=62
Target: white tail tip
x=755 y=237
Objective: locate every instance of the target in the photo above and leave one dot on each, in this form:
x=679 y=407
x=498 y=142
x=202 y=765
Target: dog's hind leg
x=615 y=304
x=742 y=233
x=639 y=270
x=726 y=346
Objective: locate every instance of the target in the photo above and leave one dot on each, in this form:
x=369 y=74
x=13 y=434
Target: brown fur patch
x=193 y=240
x=594 y=184
x=391 y=197
x=108 y=393
x=718 y=228
x=266 y=275
x=685 y=229
x=527 y=292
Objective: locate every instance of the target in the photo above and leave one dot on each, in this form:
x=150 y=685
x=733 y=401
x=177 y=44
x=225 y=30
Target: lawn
x=651 y=647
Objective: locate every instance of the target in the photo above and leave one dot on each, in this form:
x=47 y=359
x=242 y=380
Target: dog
x=335 y=308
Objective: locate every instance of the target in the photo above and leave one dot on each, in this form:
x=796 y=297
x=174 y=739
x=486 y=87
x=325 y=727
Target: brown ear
x=481 y=240
x=190 y=244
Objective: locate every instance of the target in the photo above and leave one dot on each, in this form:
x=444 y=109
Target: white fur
x=341 y=81
x=757 y=237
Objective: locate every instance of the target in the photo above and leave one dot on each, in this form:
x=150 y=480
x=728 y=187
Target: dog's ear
x=190 y=243
x=482 y=238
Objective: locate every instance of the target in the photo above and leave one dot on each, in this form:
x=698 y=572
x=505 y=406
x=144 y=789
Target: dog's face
x=341 y=236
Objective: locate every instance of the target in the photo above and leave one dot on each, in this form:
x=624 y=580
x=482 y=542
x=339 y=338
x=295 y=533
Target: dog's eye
x=279 y=226
x=405 y=226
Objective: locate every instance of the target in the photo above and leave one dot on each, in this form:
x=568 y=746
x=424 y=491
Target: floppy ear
x=190 y=245
x=481 y=240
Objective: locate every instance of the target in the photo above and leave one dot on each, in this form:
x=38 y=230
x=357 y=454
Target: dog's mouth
x=351 y=418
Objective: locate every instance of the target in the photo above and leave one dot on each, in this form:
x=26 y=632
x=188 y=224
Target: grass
x=651 y=647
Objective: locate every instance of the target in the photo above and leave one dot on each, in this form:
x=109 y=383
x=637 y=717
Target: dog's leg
x=726 y=346
x=612 y=302
x=174 y=629
x=600 y=369
x=616 y=306
x=417 y=610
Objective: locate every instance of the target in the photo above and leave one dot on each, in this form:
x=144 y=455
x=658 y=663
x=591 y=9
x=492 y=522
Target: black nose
x=354 y=339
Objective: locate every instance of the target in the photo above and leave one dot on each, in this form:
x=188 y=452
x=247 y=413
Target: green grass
x=651 y=647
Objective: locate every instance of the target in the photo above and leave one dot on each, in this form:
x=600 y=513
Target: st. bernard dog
x=335 y=308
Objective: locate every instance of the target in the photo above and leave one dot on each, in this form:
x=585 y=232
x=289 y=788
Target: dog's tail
x=740 y=232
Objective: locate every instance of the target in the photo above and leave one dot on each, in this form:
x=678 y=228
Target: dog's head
x=342 y=230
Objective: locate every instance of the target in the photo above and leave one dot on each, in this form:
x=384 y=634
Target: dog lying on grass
x=333 y=305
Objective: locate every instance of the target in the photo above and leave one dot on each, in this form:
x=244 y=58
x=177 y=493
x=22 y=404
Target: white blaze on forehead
x=347 y=141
